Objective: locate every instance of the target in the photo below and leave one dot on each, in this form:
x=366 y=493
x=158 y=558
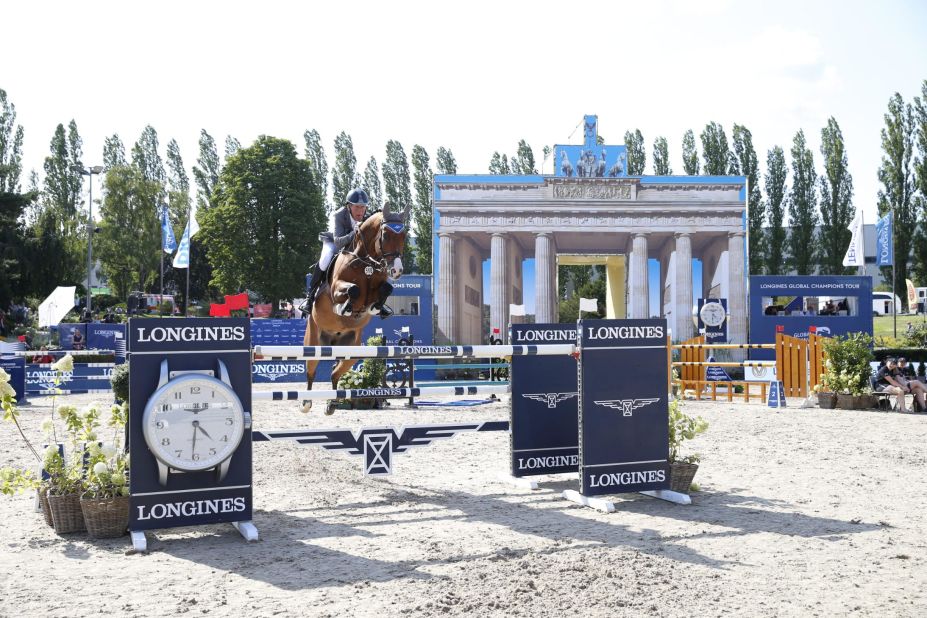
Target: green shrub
x=120 y=381
x=847 y=367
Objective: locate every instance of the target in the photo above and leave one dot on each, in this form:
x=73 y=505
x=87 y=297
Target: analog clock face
x=194 y=422
x=712 y=314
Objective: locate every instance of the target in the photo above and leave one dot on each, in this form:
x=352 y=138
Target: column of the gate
x=815 y=359
x=792 y=365
x=691 y=373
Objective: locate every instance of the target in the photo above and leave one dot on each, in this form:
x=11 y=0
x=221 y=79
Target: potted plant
x=370 y=374
x=105 y=500
x=14 y=480
x=827 y=398
x=847 y=369
x=682 y=427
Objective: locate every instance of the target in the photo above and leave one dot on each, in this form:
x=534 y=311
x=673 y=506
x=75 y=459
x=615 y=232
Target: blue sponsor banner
x=179 y=346
x=278 y=371
x=885 y=250
x=83 y=377
x=16 y=367
x=72 y=336
x=624 y=406
x=715 y=328
x=545 y=403
x=770 y=295
x=104 y=336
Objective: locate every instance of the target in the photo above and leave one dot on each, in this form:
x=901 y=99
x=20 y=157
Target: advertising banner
x=624 y=406
x=189 y=422
x=712 y=319
x=545 y=434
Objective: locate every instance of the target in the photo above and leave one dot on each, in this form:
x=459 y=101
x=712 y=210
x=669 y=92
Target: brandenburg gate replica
x=589 y=212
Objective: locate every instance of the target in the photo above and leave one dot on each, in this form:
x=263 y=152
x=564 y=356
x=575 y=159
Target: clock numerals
x=229 y=421
x=165 y=441
x=179 y=453
x=178 y=395
x=159 y=424
x=194 y=390
x=224 y=439
x=212 y=452
x=196 y=456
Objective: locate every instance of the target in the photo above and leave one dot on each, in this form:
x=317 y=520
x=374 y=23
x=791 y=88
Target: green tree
x=661 y=164
x=523 y=161
x=499 y=164
x=776 y=190
x=372 y=184
x=232 y=145
x=920 y=176
x=591 y=288
x=206 y=172
x=445 y=161
x=178 y=186
x=397 y=186
x=315 y=155
x=421 y=208
x=114 y=152
x=62 y=201
x=716 y=152
x=130 y=236
x=13 y=246
x=262 y=233
x=689 y=153
x=11 y=147
x=837 y=209
x=898 y=191
x=803 y=214
x=146 y=158
x=750 y=167
x=637 y=154
x=345 y=168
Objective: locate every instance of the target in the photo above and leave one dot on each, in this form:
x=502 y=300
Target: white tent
x=56 y=306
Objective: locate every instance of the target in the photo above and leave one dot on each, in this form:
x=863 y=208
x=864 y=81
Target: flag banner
x=182 y=257
x=912 y=295
x=884 y=234
x=588 y=304
x=855 y=255
x=168 y=242
x=516 y=309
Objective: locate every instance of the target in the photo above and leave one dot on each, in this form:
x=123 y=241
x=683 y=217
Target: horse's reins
x=383 y=265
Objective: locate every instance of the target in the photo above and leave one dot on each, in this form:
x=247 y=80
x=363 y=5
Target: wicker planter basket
x=681 y=475
x=66 y=514
x=846 y=402
x=106 y=518
x=828 y=401
x=46 y=510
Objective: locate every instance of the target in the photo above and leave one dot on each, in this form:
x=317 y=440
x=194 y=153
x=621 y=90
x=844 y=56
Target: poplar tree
x=803 y=214
x=445 y=161
x=396 y=186
x=750 y=167
x=637 y=154
x=920 y=176
x=344 y=169
x=499 y=164
x=11 y=147
x=315 y=155
x=421 y=209
x=837 y=209
x=661 y=164
x=776 y=190
x=523 y=161
x=206 y=172
x=146 y=158
x=372 y=184
x=232 y=146
x=689 y=153
x=178 y=186
x=114 y=152
x=897 y=194
x=716 y=152
x=63 y=188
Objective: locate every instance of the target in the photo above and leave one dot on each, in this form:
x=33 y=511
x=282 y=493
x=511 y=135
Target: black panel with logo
x=189 y=421
x=544 y=403
x=624 y=436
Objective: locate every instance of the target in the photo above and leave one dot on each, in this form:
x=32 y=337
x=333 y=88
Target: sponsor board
x=624 y=407
x=545 y=400
x=278 y=371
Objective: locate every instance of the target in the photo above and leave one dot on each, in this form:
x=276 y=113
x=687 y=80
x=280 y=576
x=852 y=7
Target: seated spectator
x=907 y=378
x=77 y=339
x=43 y=359
x=887 y=382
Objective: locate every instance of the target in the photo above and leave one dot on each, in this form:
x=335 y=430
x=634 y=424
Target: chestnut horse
x=343 y=306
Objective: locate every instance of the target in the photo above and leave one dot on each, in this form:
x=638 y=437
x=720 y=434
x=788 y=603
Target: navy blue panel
x=624 y=406
x=16 y=367
x=544 y=403
x=276 y=371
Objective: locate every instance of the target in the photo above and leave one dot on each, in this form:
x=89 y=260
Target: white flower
x=51 y=452
x=108 y=451
x=48 y=427
x=65 y=364
x=4 y=376
x=118 y=479
x=93 y=448
x=6 y=389
x=100 y=468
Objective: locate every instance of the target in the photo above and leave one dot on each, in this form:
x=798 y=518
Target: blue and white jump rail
x=290 y=352
x=60 y=353
x=380 y=392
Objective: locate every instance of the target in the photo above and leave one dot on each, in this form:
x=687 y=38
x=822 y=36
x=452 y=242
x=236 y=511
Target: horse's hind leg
x=311 y=338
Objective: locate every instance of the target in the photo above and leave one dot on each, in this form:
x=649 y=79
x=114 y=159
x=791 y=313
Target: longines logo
x=162 y=334
x=193 y=507
x=545 y=335
x=273 y=371
x=627 y=478
x=413 y=350
x=551 y=399
x=627 y=405
x=626 y=332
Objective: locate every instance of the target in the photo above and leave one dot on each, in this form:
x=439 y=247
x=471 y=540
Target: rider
x=347 y=222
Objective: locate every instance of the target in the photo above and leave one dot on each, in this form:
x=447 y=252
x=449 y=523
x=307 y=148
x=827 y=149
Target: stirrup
x=385 y=312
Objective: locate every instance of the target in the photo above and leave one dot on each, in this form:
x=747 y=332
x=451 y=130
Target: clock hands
x=196 y=423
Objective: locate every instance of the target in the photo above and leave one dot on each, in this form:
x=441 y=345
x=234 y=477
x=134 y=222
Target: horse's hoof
x=307 y=406
x=330 y=408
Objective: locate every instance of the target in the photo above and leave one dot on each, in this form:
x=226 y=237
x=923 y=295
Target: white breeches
x=328 y=251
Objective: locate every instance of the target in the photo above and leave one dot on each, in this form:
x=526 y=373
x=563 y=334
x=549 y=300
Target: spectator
x=44 y=358
x=887 y=382
x=906 y=376
x=77 y=339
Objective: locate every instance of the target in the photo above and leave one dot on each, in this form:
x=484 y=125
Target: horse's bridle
x=381 y=266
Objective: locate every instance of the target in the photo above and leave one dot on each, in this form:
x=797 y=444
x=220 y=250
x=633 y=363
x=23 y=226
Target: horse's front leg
x=345 y=293
x=311 y=338
x=339 y=370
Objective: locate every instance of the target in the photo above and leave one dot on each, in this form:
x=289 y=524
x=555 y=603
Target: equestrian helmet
x=357 y=196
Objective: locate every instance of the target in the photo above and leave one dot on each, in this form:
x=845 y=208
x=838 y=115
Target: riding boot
x=317 y=275
x=385 y=290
